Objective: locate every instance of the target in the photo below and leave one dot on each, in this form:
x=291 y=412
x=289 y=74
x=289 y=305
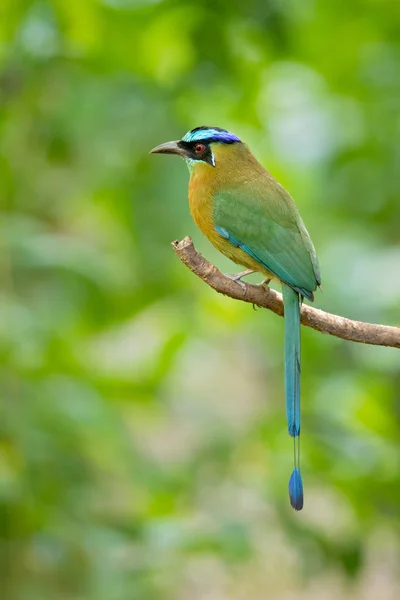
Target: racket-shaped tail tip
x=296 y=490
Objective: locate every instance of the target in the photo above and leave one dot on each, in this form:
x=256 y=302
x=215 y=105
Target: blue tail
x=291 y=301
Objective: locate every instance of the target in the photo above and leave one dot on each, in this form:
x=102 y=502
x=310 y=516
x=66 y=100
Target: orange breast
x=201 y=195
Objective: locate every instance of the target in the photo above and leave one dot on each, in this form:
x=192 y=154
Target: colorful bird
x=253 y=220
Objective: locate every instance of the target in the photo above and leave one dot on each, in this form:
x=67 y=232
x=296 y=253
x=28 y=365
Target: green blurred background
x=144 y=449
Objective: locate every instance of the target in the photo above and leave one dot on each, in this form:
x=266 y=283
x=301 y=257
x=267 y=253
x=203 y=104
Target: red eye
x=199 y=148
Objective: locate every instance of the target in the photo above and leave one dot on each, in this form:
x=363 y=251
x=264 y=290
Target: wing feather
x=261 y=218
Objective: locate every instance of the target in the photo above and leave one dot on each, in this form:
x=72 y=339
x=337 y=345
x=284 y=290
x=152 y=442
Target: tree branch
x=355 y=331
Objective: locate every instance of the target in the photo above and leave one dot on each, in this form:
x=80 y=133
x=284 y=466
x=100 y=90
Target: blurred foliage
x=144 y=452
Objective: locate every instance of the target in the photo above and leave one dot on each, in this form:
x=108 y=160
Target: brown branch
x=355 y=331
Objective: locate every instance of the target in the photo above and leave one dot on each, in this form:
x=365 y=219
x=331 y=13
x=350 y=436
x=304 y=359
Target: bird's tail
x=292 y=303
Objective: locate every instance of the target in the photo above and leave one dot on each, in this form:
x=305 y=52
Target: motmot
x=250 y=217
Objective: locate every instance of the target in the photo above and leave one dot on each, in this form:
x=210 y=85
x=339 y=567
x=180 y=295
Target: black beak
x=168 y=148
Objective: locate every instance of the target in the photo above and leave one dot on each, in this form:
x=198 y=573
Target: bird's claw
x=242 y=285
x=237 y=277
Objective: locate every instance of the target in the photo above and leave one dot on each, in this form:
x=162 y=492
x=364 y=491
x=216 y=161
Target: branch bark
x=354 y=331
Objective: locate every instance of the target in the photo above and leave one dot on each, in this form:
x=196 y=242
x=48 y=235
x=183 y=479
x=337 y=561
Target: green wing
x=261 y=218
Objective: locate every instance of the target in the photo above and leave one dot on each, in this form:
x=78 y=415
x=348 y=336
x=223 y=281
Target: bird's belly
x=239 y=256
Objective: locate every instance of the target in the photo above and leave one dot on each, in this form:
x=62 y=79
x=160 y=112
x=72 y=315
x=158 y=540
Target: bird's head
x=200 y=145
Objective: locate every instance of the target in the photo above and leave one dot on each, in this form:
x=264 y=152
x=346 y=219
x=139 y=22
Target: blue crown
x=211 y=134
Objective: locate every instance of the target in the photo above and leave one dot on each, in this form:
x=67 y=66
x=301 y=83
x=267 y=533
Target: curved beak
x=168 y=148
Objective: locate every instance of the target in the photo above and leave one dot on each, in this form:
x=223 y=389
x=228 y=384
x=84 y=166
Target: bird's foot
x=266 y=282
x=238 y=277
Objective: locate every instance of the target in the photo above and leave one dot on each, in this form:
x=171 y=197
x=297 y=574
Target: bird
x=250 y=217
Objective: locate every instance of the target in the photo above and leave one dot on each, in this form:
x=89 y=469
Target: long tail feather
x=291 y=301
